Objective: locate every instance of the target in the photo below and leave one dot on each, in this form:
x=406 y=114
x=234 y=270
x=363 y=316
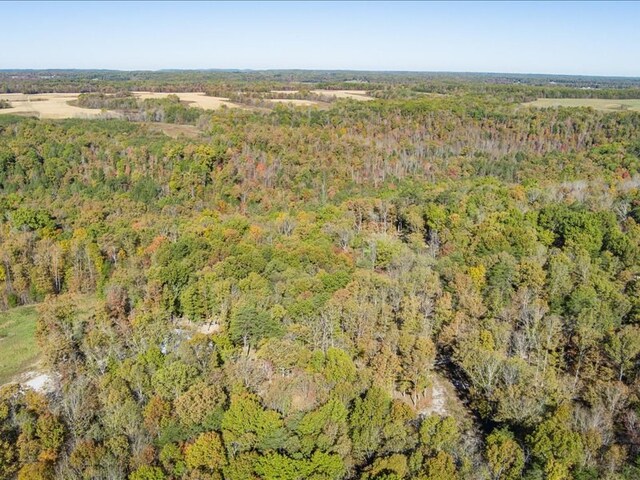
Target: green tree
x=249 y=325
x=321 y=466
x=325 y=429
x=147 y=472
x=555 y=445
x=440 y=467
x=393 y=467
x=199 y=403
x=206 y=452
x=246 y=425
x=439 y=433
x=367 y=421
x=623 y=347
x=173 y=379
x=506 y=458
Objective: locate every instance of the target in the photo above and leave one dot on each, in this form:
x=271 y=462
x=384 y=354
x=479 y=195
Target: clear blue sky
x=524 y=37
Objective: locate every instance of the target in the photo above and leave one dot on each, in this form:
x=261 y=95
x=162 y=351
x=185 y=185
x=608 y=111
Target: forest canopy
x=438 y=283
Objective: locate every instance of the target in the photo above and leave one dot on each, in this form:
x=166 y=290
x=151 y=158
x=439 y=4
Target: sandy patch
x=352 y=94
x=212 y=326
x=40 y=383
x=438 y=399
x=209 y=328
x=36 y=380
x=285 y=92
x=49 y=105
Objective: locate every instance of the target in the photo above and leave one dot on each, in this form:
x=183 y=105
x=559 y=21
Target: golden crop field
x=602 y=104
x=49 y=105
x=352 y=94
x=194 y=99
x=60 y=105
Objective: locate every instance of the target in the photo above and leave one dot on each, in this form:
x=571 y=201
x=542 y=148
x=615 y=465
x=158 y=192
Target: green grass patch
x=18 y=348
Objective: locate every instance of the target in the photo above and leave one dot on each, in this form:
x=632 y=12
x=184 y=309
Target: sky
x=587 y=38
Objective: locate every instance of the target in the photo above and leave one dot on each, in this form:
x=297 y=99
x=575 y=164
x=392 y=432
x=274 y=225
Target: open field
x=602 y=104
x=57 y=105
x=294 y=101
x=49 y=105
x=175 y=130
x=18 y=348
x=195 y=99
x=352 y=94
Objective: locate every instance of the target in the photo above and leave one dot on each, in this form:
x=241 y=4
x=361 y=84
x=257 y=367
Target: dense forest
x=434 y=287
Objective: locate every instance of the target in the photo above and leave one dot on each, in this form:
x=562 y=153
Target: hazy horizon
x=565 y=38
x=337 y=70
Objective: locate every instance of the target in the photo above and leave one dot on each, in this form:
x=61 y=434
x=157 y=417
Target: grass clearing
x=18 y=347
x=19 y=351
x=175 y=130
x=602 y=104
x=294 y=101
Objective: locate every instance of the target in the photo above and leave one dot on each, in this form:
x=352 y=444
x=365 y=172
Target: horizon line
x=339 y=70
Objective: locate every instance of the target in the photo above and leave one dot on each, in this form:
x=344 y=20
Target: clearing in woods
x=18 y=348
x=602 y=104
x=19 y=351
x=293 y=101
x=49 y=105
x=194 y=99
x=174 y=130
x=352 y=94
x=57 y=105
